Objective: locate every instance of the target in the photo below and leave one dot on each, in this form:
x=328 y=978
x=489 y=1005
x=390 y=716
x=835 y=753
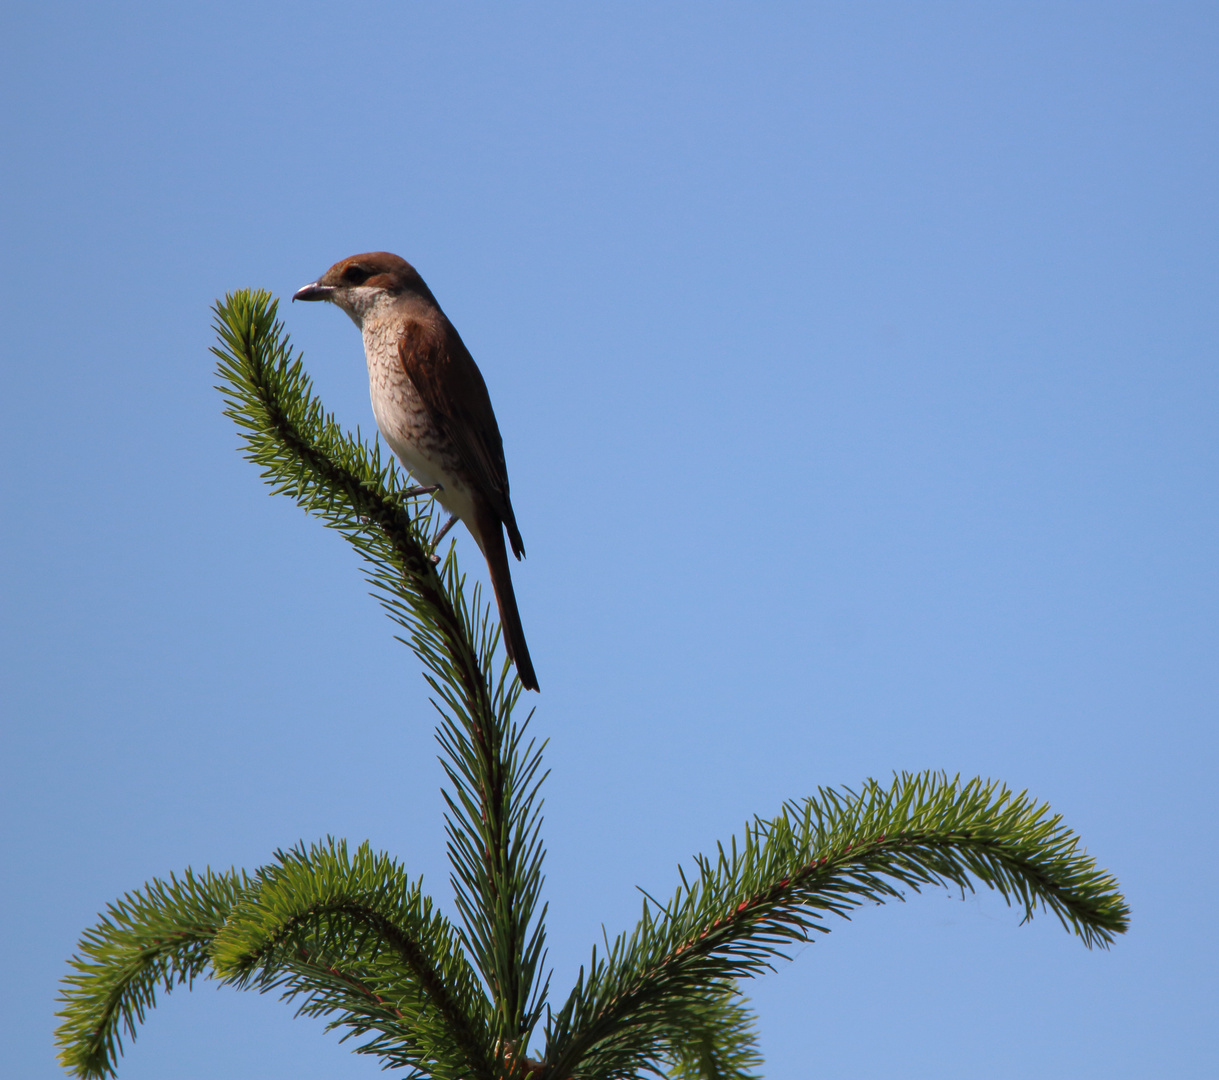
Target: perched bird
x=433 y=409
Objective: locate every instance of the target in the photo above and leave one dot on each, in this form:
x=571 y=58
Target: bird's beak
x=314 y=291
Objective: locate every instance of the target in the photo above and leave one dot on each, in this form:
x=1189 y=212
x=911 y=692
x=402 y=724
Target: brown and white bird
x=433 y=409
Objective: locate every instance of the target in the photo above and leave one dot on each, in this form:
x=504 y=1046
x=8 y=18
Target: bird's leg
x=422 y=489
x=440 y=536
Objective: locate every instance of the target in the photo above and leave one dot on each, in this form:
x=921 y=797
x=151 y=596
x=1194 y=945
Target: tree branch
x=825 y=856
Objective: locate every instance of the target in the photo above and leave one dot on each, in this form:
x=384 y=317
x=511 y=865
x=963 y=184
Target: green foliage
x=712 y=1037
x=157 y=937
x=739 y=911
x=359 y=940
x=353 y=940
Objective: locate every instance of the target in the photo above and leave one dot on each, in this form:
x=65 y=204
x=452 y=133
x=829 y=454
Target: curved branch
x=827 y=855
x=269 y=396
x=306 y=455
x=342 y=914
x=159 y=936
x=280 y=949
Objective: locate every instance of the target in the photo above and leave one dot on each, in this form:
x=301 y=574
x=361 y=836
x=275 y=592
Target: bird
x=432 y=408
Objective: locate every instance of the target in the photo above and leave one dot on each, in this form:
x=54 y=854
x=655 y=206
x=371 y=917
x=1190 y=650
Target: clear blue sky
x=856 y=365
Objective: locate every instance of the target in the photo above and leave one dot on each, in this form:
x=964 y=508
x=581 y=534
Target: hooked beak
x=313 y=291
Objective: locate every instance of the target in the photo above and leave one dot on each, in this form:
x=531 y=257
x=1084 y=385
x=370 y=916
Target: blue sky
x=856 y=365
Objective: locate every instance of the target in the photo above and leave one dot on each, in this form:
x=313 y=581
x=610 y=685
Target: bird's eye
x=356 y=275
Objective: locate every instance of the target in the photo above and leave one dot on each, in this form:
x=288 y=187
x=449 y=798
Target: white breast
x=401 y=416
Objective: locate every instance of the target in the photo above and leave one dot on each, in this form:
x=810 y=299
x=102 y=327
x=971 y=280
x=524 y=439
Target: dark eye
x=356 y=275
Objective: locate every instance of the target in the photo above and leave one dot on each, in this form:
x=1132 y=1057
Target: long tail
x=492 y=542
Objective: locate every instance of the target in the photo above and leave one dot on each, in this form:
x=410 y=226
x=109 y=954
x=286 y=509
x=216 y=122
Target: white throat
x=361 y=303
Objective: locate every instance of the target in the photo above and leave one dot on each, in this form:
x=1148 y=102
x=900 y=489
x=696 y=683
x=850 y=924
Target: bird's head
x=364 y=284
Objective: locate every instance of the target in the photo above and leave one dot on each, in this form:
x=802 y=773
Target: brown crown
x=376 y=269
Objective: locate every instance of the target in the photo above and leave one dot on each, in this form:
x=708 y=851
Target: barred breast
x=407 y=426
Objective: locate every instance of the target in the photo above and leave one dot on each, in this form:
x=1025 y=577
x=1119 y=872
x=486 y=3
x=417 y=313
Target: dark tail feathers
x=496 y=554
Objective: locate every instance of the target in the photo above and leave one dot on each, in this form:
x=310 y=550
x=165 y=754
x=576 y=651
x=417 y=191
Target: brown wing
x=452 y=388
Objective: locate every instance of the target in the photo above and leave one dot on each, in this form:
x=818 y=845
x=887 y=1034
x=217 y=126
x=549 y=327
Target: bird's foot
x=440 y=536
